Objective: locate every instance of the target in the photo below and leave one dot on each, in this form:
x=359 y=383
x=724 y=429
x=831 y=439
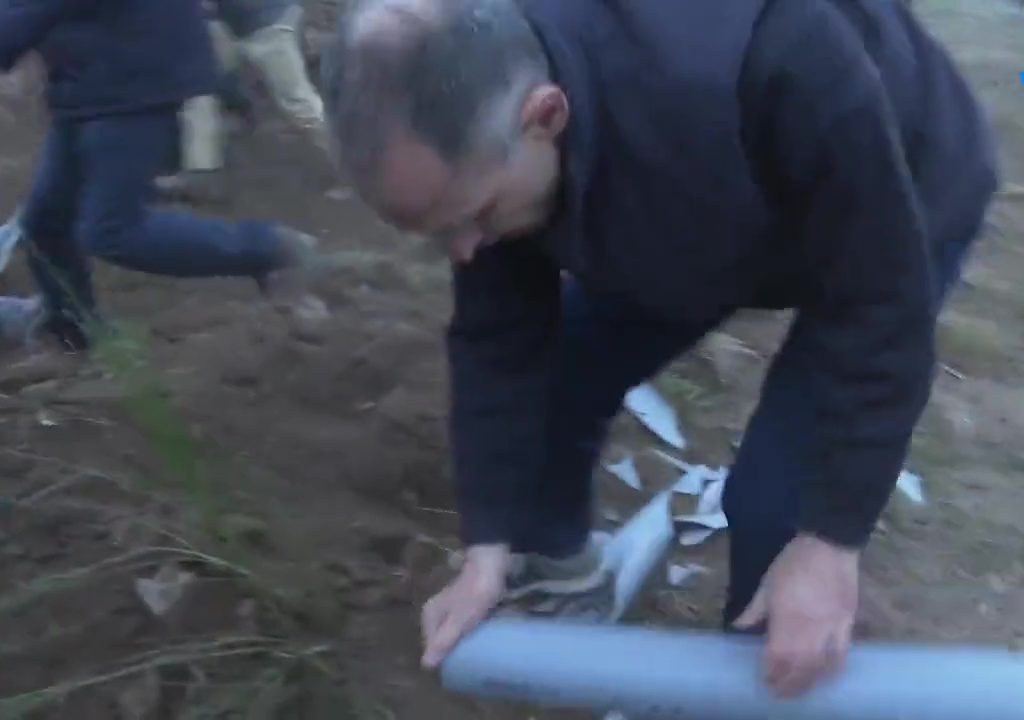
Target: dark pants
x=607 y=349
x=89 y=198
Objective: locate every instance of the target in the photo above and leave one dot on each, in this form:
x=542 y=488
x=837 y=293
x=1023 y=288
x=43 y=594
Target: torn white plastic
x=694 y=537
x=708 y=516
x=651 y=409
x=680 y=575
x=625 y=470
x=910 y=485
x=634 y=551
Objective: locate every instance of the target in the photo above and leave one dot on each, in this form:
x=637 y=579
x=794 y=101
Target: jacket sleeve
x=24 y=24
x=500 y=343
x=868 y=325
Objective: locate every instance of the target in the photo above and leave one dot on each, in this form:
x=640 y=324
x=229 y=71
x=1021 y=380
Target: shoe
x=195 y=186
x=581 y=586
x=20 y=320
x=300 y=265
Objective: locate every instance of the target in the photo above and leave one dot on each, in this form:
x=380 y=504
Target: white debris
x=10 y=235
x=625 y=470
x=615 y=715
x=708 y=516
x=690 y=538
x=704 y=481
x=680 y=575
x=651 y=409
x=710 y=521
x=910 y=485
x=673 y=460
x=165 y=589
x=633 y=552
x=46 y=419
x=612 y=515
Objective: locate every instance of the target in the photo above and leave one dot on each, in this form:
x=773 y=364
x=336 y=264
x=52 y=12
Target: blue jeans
x=89 y=199
x=606 y=349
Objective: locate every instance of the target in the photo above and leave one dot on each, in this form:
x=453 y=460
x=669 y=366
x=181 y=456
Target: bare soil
x=297 y=472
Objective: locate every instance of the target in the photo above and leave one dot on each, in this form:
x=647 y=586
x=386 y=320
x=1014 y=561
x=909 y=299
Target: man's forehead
x=413 y=181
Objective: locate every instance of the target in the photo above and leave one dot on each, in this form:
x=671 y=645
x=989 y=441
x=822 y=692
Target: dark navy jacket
x=808 y=154
x=111 y=56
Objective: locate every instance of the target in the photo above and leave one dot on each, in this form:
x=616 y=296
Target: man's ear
x=545 y=112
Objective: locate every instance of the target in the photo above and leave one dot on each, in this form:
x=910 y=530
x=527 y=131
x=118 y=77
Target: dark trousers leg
x=605 y=349
x=762 y=493
x=60 y=268
x=121 y=156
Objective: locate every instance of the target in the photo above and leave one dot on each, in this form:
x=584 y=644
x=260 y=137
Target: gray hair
x=452 y=72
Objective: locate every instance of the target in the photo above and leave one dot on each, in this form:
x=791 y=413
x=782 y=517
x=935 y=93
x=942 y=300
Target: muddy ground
x=291 y=481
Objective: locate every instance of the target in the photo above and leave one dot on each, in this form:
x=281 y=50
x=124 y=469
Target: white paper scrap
x=691 y=483
x=910 y=485
x=163 y=591
x=691 y=538
x=711 y=521
x=710 y=502
x=625 y=470
x=673 y=461
x=708 y=516
x=680 y=575
x=651 y=409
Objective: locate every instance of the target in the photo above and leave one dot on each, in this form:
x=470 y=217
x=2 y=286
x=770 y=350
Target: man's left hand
x=809 y=599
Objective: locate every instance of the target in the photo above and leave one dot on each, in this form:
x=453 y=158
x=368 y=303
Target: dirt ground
x=289 y=480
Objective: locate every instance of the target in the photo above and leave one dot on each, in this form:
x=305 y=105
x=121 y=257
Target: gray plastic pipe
x=647 y=673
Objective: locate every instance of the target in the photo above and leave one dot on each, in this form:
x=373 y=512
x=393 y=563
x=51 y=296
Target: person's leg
x=59 y=267
x=202 y=135
x=122 y=155
x=605 y=349
x=202 y=128
x=761 y=497
x=200 y=173
x=275 y=52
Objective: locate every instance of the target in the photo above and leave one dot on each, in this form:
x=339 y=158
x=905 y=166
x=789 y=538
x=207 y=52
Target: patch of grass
x=124 y=355
x=252 y=677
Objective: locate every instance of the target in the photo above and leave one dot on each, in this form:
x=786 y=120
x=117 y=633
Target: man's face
x=482 y=200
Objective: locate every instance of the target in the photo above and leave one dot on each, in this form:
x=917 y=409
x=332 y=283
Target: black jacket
x=809 y=154
x=111 y=56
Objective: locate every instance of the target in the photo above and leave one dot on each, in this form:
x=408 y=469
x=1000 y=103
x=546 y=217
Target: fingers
x=801 y=652
x=456 y=624
x=755 y=613
x=453 y=613
x=433 y=615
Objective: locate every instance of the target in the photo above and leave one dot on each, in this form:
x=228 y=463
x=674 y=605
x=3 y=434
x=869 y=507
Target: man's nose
x=463 y=247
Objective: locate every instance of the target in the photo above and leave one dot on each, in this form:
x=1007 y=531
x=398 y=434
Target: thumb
x=444 y=639
x=755 y=614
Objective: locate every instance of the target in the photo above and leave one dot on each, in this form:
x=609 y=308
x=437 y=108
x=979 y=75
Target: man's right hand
x=465 y=602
